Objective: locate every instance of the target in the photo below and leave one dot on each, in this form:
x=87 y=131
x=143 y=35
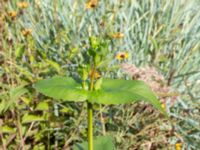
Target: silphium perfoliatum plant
x=93 y=89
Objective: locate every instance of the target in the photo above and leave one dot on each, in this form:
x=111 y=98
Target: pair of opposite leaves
x=113 y=91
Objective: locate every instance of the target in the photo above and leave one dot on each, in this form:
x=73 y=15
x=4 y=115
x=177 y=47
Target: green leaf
x=17 y=92
x=42 y=106
x=98 y=84
x=13 y=95
x=19 y=51
x=113 y=91
x=100 y=143
x=117 y=91
x=61 y=88
x=7 y=129
x=154 y=42
x=39 y=146
x=27 y=118
x=54 y=64
x=25 y=72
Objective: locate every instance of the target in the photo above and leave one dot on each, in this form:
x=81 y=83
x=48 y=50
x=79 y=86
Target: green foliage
x=112 y=91
x=43 y=106
x=62 y=88
x=100 y=143
x=31 y=118
x=163 y=33
x=19 y=51
x=7 y=129
x=9 y=99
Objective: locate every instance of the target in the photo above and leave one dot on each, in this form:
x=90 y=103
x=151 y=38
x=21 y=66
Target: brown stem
x=3 y=144
x=31 y=126
x=10 y=139
x=102 y=121
x=20 y=132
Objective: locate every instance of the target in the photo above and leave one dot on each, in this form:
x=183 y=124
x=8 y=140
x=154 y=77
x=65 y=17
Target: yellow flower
x=163 y=106
x=12 y=14
x=117 y=35
x=178 y=146
x=91 y=4
x=23 y=5
x=26 y=32
x=122 y=56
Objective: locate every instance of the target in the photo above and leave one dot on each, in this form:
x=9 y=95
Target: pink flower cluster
x=151 y=77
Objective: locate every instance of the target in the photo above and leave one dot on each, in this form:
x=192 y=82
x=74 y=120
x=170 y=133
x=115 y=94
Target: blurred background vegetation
x=42 y=38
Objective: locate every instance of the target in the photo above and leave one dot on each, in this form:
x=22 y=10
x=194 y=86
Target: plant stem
x=3 y=142
x=19 y=127
x=102 y=121
x=90 y=114
x=90 y=126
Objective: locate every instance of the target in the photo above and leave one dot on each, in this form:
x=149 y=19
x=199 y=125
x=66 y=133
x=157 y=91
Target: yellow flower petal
x=26 y=32
x=178 y=146
x=91 y=4
x=117 y=35
x=12 y=14
x=23 y=5
x=163 y=106
x=122 y=56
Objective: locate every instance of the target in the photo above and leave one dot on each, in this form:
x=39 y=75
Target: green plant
x=93 y=89
x=165 y=30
